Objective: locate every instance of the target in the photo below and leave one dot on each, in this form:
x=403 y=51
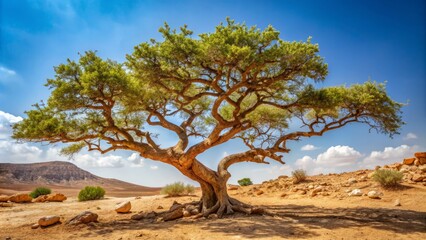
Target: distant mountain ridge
x=59 y=174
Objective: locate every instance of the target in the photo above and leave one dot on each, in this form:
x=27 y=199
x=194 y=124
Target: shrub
x=40 y=191
x=245 y=182
x=299 y=175
x=387 y=178
x=177 y=189
x=91 y=193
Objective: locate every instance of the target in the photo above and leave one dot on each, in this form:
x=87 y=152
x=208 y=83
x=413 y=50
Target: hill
x=62 y=176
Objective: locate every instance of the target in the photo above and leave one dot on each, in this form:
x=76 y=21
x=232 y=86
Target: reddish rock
x=4 y=198
x=260 y=192
x=420 y=154
x=84 y=217
x=417 y=178
x=422 y=160
x=123 y=207
x=20 y=198
x=408 y=161
x=54 y=197
x=48 y=220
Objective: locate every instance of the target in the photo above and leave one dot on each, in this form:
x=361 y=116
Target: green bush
x=40 y=191
x=299 y=175
x=245 y=182
x=91 y=193
x=387 y=178
x=177 y=189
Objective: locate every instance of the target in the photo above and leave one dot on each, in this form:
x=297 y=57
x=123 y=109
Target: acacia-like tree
x=238 y=82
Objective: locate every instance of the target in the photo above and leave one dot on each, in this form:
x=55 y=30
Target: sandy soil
x=297 y=217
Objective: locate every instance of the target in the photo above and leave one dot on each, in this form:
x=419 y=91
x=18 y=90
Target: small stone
x=160 y=207
x=313 y=194
x=303 y=192
x=373 y=195
x=194 y=211
x=260 y=192
x=318 y=189
x=363 y=178
x=84 y=217
x=408 y=161
x=422 y=168
x=232 y=188
x=35 y=226
x=311 y=187
x=48 y=220
x=355 y=192
x=175 y=206
x=417 y=178
x=352 y=180
x=283 y=195
x=186 y=213
x=397 y=203
x=123 y=207
x=213 y=216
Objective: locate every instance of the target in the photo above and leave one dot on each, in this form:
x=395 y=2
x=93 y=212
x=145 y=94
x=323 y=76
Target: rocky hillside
x=59 y=175
x=340 y=186
x=53 y=172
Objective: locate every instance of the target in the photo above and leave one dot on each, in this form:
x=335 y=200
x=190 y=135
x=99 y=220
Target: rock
x=138 y=216
x=373 y=195
x=172 y=215
x=363 y=178
x=397 y=203
x=325 y=194
x=35 y=226
x=303 y=192
x=355 y=192
x=160 y=207
x=283 y=195
x=404 y=169
x=194 y=211
x=186 y=213
x=20 y=198
x=54 y=197
x=84 y=217
x=420 y=154
x=408 y=161
x=123 y=207
x=417 y=178
x=175 y=206
x=352 y=180
x=313 y=194
x=232 y=188
x=422 y=160
x=318 y=189
x=282 y=177
x=260 y=192
x=6 y=204
x=48 y=220
x=311 y=187
x=422 y=168
x=417 y=162
x=4 y=198
x=213 y=216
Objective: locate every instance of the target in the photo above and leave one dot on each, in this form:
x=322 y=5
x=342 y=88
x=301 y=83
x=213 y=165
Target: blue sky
x=360 y=40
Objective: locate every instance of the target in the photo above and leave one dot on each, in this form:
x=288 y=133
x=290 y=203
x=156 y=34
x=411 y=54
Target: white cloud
x=388 y=155
x=335 y=159
x=308 y=147
x=6 y=73
x=410 y=136
x=14 y=152
x=154 y=167
x=97 y=160
x=135 y=160
x=6 y=120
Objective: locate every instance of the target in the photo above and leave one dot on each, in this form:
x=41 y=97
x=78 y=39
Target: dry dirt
x=298 y=216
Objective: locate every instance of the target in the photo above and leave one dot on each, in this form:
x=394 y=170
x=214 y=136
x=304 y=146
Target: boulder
x=355 y=192
x=417 y=178
x=416 y=162
x=373 y=195
x=260 y=192
x=54 y=197
x=422 y=160
x=48 y=220
x=35 y=226
x=397 y=203
x=408 y=161
x=4 y=198
x=172 y=215
x=420 y=154
x=318 y=189
x=422 y=168
x=84 y=217
x=20 y=198
x=123 y=207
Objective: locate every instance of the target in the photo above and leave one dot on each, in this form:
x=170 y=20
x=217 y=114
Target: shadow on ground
x=291 y=221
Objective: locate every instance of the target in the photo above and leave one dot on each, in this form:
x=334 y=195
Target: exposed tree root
x=194 y=210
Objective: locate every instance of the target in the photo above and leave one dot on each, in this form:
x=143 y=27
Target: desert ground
x=332 y=214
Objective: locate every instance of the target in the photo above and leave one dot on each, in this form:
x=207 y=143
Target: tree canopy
x=238 y=82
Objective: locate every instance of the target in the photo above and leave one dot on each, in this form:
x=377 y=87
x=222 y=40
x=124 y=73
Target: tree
x=237 y=82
